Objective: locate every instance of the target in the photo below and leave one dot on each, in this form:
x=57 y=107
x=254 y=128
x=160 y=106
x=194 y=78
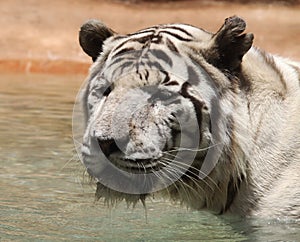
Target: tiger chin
x=202 y=118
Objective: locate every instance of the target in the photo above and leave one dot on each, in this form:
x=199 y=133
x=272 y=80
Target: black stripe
x=197 y=104
x=145 y=31
x=117 y=61
x=126 y=64
x=140 y=75
x=180 y=29
x=193 y=77
x=121 y=45
x=163 y=56
x=122 y=67
x=176 y=36
x=172 y=83
x=124 y=51
x=120 y=60
x=171 y=46
x=147 y=75
x=155 y=65
x=143 y=40
x=140 y=40
x=132 y=56
x=167 y=77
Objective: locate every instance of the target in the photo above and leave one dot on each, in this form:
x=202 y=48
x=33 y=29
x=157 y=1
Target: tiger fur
x=241 y=97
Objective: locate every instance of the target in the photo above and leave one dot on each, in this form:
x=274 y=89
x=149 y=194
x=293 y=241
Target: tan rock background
x=42 y=36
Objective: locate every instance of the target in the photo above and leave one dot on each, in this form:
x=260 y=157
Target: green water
x=44 y=195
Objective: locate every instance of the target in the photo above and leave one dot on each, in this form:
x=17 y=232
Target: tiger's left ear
x=92 y=34
x=229 y=44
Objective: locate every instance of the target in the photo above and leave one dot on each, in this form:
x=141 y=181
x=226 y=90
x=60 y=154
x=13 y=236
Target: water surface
x=44 y=195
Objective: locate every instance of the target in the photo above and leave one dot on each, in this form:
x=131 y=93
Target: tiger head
x=159 y=108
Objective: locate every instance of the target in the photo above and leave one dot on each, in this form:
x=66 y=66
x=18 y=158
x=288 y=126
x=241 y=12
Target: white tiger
x=203 y=118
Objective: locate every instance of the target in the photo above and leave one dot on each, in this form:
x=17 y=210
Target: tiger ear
x=92 y=34
x=229 y=44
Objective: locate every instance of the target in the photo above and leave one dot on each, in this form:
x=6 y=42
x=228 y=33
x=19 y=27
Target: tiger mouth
x=137 y=166
x=115 y=155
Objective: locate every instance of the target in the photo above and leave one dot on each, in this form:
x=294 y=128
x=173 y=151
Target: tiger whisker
x=77 y=142
x=182 y=184
x=73 y=158
x=176 y=149
x=190 y=177
x=186 y=166
x=161 y=179
x=176 y=184
x=170 y=178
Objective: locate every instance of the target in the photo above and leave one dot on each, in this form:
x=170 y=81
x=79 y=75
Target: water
x=44 y=195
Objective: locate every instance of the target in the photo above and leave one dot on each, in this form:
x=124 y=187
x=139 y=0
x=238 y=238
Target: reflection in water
x=41 y=192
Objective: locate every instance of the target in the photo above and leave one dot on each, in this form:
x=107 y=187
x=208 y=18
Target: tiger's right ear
x=229 y=44
x=92 y=34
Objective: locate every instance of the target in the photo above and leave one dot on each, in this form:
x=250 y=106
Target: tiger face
x=159 y=106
